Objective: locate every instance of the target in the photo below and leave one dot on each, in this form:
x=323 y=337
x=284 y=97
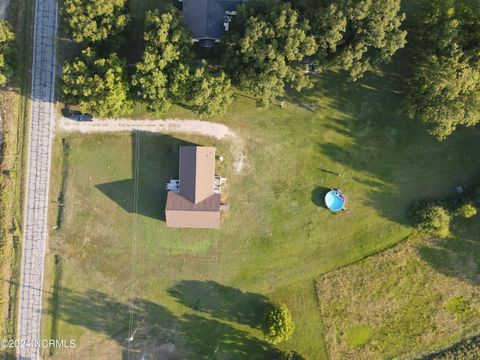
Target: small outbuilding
x=193 y=201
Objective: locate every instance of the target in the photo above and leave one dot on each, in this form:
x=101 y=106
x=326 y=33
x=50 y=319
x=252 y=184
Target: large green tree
x=96 y=85
x=266 y=49
x=444 y=91
x=6 y=44
x=93 y=20
x=356 y=35
x=211 y=91
x=162 y=75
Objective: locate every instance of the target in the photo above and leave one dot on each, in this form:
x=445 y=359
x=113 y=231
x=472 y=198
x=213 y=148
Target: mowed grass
x=204 y=290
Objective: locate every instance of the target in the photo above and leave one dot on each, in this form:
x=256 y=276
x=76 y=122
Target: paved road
x=38 y=172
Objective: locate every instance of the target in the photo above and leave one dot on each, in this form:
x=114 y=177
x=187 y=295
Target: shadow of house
x=154 y=163
x=221 y=302
x=158 y=334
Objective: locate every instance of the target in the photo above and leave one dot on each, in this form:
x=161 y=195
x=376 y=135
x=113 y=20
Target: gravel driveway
x=167 y=126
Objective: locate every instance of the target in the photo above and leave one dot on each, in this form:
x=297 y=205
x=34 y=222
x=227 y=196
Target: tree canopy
x=93 y=20
x=212 y=91
x=278 y=324
x=6 y=42
x=266 y=49
x=96 y=85
x=162 y=75
x=444 y=91
x=356 y=35
x=431 y=218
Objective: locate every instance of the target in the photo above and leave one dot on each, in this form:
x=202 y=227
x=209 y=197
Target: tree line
x=270 y=48
x=166 y=73
x=7 y=38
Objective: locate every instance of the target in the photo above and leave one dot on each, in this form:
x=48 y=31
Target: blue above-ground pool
x=334 y=200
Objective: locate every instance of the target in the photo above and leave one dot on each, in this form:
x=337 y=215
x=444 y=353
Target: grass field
x=203 y=290
x=418 y=297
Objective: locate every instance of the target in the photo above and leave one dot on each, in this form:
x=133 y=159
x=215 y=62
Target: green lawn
x=203 y=290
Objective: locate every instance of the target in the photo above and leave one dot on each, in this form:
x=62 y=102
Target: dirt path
x=168 y=126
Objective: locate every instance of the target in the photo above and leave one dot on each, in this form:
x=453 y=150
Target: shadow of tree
x=394 y=158
x=158 y=334
x=150 y=171
x=221 y=301
x=458 y=257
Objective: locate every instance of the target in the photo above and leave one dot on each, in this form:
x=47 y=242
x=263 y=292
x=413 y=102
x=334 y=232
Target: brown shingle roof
x=177 y=202
x=196 y=205
x=197 y=172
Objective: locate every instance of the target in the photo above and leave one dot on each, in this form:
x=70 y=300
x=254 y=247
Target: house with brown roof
x=193 y=201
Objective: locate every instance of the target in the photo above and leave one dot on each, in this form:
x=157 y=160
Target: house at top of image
x=193 y=201
x=208 y=20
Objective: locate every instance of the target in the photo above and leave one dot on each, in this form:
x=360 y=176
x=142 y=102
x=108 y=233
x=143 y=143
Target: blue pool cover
x=334 y=200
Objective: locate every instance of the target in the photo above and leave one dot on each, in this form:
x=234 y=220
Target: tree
x=93 y=20
x=444 y=91
x=356 y=35
x=466 y=211
x=163 y=74
x=278 y=324
x=431 y=218
x=266 y=49
x=211 y=91
x=6 y=41
x=96 y=85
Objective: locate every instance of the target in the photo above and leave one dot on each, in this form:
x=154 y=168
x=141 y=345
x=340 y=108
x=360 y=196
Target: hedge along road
x=42 y=120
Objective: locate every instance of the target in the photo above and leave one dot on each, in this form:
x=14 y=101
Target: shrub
x=458 y=306
x=359 y=336
x=278 y=324
x=466 y=211
x=431 y=218
x=6 y=49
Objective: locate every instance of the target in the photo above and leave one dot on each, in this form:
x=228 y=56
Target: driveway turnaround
x=162 y=126
x=42 y=120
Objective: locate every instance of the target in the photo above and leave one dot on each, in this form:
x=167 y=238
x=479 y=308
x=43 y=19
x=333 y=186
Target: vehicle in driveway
x=82 y=117
x=76 y=115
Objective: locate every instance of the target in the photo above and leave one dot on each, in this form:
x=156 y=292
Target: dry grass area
x=10 y=193
x=409 y=300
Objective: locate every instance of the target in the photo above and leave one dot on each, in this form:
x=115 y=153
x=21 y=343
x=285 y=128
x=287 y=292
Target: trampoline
x=335 y=200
